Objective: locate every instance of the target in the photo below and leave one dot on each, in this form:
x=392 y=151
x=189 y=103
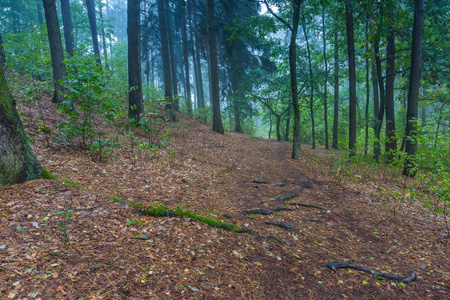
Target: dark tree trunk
x=288 y=122
x=56 y=49
x=2 y=53
x=134 y=61
x=196 y=58
x=410 y=167
x=214 y=72
x=325 y=84
x=17 y=161
x=166 y=60
x=186 y=58
x=380 y=117
x=311 y=85
x=366 y=115
x=68 y=28
x=391 y=138
x=293 y=76
x=352 y=80
x=336 y=86
x=93 y=24
x=39 y=11
x=105 y=50
x=173 y=65
x=278 y=127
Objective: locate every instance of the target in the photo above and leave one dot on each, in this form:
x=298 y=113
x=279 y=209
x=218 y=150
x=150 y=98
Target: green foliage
x=46 y=174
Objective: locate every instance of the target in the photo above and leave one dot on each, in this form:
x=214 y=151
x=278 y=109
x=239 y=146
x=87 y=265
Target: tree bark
x=336 y=86
x=352 y=80
x=105 y=50
x=56 y=49
x=17 y=161
x=68 y=28
x=134 y=61
x=93 y=24
x=325 y=84
x=2 y=53
x=217 y=119
x=186 y=57
x=39 y=11
x=366 y=115
x=166 y=60
x=173 y=65
x=410 y=167
x=380 y=117
x=391 y=138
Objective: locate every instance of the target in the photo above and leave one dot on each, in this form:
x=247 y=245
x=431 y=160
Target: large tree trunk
x=293 y=76
x=186 y=58
x=214 y=71
x=68 y=28
x=166 y=60
x=93 y=24
x=311 y=85
x=391 y=138
x=410 y=167
x=352 y=80
x=56 y=49
x=134 y=61
x=336 y=86
x=17 y=161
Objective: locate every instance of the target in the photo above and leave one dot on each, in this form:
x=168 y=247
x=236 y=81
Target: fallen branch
x=257 y=181
x=343 y=265
x=307 y=205
x=287 y=197
x=258 y=211
x=282 y=207
x=281 y=224
x=273 y=238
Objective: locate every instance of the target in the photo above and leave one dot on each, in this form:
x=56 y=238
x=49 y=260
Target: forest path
x=210 y=174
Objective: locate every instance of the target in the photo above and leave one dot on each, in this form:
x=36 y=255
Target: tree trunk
x=293 y=76
x=173 y=65
x=17 y=161
x=288 y=121
x=196 y=58
x=410 y=167
x=93 y=24
x=39 y=11
x=366 y=115
x=105 y=50
x=311 y=85
x=391 y=138
x=336 y=86
x=134 y=61
x=380 y=117
x=214 y=72
x=186 y=58
x=56 y=49
x=325 y=84
x=278 y=127
x=352 y=80
x=165 y=60
x=68 y=28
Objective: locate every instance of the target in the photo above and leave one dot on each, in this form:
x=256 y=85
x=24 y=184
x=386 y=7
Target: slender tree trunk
x=278 y=127
x=379 y=121
x=288 y=121
x=391 y=138
x=293 y=76
x=166 y=60
x=186 y=58
x=56 y=49
x=68 y=28
x=214 y=72
x=325 y=84
x=311 y=85
x=17 y=161
x=336 y=86
x=352 y=80
x=410 y=167
x=196 y=58
x=173 y=65
x=366 y=116
x=270 y=126
x=93 y=24
x=39 y=11
x=134 y=61
x=105 y=49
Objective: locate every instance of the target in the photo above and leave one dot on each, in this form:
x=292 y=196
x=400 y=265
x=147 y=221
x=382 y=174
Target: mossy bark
x=17 y=161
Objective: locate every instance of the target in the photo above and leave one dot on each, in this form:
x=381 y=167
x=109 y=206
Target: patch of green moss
x=71 y=182
x=46 y=174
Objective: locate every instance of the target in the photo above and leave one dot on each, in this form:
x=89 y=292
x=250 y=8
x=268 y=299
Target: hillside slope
x=58 y=240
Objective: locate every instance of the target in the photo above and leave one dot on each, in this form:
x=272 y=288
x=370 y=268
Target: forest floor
x=60 y=241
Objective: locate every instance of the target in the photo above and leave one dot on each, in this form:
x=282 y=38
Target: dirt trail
x=211 y=175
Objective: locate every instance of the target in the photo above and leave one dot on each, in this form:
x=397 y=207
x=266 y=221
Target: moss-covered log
x=17 y=161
